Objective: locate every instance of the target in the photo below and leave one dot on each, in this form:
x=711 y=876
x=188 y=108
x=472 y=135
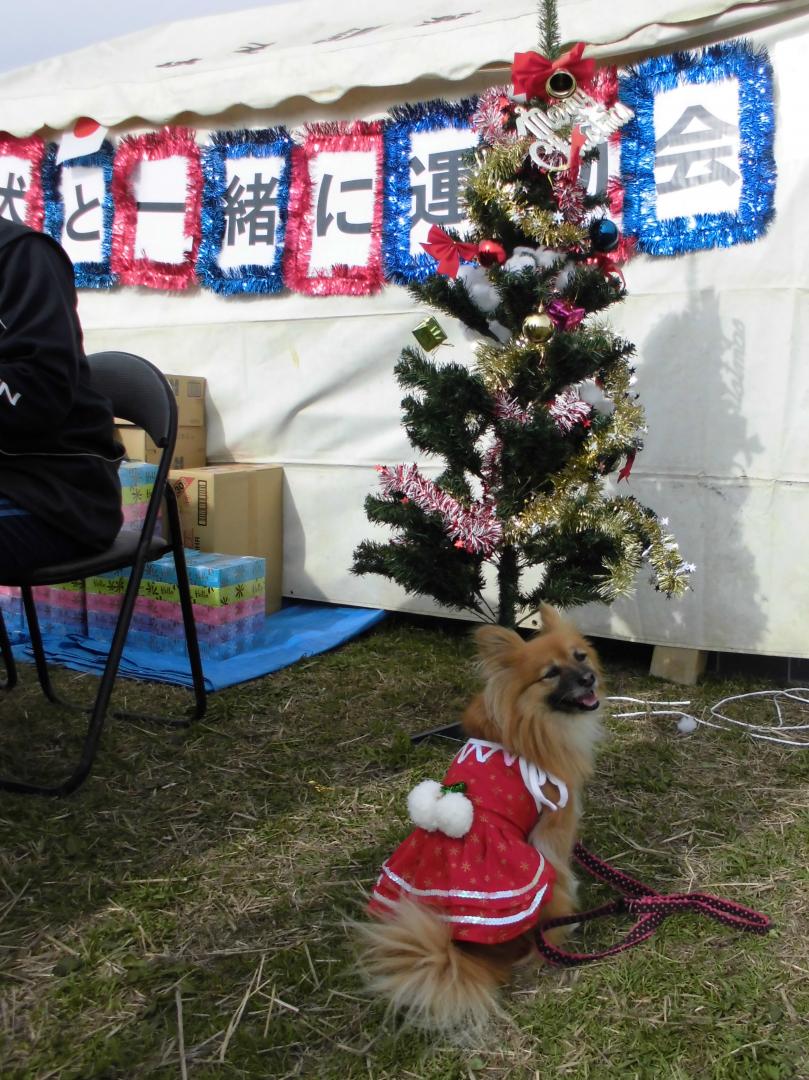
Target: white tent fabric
x=309 y=381
x=264 y=56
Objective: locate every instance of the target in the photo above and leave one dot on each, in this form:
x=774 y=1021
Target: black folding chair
x=140 y=394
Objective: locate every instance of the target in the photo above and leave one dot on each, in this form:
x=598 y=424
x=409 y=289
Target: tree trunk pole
x=508 y=576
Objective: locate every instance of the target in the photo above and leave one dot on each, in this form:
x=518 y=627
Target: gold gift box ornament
x=429 y=334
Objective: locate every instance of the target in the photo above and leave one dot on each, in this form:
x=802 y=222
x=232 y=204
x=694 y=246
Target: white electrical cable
x=688 y=722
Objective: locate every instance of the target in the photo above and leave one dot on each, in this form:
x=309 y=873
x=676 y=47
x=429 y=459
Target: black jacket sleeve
x=40 y=338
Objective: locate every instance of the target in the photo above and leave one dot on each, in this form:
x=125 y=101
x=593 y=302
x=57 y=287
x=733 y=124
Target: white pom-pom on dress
x=455 y=813
x=432 y=809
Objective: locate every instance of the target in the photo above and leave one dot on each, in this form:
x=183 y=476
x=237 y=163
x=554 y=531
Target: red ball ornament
x=490 y=252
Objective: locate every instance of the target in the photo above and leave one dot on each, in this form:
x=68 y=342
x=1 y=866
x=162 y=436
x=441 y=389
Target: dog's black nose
x=587 y=678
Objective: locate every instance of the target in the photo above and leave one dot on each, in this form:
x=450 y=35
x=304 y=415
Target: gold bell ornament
x=538 y=328
x=561 y=84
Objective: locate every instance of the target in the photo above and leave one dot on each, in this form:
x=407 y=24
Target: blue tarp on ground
x=297 y=630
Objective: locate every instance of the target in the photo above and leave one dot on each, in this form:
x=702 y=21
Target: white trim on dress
x=464 y=894
x=479 y=920
x=533 y=777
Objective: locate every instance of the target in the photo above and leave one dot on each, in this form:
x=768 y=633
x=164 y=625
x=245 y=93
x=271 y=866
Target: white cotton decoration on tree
x=520 y=258
x=502 y=333
x=546 y=258
x=563 y=278
x=539 y=258
x=479 y=287
x=592 y=393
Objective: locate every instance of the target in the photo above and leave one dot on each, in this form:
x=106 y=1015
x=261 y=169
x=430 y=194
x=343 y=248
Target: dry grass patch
x=182 y=916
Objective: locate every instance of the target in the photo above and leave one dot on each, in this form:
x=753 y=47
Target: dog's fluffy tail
x=409 y=959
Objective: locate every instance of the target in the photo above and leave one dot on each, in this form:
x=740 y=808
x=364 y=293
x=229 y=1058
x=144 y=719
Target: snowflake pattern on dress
x=490 y=884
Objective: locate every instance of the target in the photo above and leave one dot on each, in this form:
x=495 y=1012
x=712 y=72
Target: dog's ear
x=497 y=646
x=551 y=619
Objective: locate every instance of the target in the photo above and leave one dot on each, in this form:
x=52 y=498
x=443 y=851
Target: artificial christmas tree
x=532 y=428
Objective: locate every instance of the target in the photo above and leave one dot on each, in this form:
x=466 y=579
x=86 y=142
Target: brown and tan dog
x=458 y=903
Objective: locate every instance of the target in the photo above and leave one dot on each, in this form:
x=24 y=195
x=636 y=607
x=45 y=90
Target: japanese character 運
x=447 y=171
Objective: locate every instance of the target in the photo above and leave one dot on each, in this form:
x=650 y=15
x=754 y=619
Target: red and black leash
x=649 y=907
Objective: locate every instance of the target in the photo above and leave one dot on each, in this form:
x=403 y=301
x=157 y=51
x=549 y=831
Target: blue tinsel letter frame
x=736 y=60
x=404 y=122
x=229 y=146
x=88 y=273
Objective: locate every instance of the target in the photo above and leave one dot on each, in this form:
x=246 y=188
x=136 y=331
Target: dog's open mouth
x=585 y=700
x=588 y=701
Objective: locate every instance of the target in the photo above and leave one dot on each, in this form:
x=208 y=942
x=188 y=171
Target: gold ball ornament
x=538 y=328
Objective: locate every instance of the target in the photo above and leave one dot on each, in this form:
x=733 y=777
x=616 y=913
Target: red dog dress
x=485 y=879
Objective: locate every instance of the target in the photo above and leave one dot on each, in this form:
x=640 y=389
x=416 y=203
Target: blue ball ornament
x=604 y=235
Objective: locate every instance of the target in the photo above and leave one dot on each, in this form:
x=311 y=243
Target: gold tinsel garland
x=584 y=467
x=493 y=183
x=577 y=502
x=498 y=364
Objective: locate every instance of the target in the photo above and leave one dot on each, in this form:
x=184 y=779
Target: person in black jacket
x=59 y=492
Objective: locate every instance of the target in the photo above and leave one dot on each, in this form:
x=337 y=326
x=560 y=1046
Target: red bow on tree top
x=448 y=252
x=530 y=71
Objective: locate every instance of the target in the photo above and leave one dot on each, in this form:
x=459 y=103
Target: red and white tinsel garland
x=568 y=409
x=476 y=529
x=488 y=119
x=133 y=267
x=32 y=150
x=337 y=279
x=508 y=408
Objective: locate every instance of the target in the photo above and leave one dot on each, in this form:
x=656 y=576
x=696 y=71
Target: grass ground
x=181 y=916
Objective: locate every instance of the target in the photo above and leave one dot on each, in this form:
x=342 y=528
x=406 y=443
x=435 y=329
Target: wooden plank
x=678 y=665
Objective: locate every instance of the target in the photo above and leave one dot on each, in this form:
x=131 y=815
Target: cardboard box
x=189 y=450
x=237 y=510
x=189 y=390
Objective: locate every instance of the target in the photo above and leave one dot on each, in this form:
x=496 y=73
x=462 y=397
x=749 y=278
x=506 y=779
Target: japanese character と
x=82 y=208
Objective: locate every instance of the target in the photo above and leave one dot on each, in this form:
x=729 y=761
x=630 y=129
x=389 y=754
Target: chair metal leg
x=38 y=649
x=36 y=644
x=189 y=625
x=191 y=639
x=99 y=710
x=8 y=658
